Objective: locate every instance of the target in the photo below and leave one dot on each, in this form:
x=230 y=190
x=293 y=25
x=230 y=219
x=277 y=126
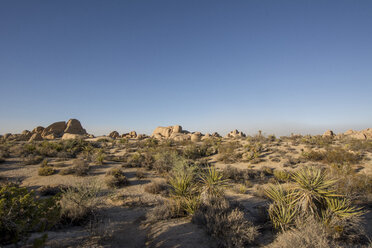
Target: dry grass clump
x=359 y=145
x=32 y=159
x=157 y=187
x=80 y=202
x=282 y=175
x=308 y=233
x=333 y=156
x=227 y=152
x=115 y=178
x=80 y=167
x=170 y=208
x=225 y=223
x=164 y=160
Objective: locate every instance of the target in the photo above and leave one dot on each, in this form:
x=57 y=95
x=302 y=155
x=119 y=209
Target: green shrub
x=115 y=178
x=165 y=159
x=212 y=182
x=333 y=156
x=21 y=212
x=282 y=175
x=227 y=152
x=46 y=171
x=32 y=159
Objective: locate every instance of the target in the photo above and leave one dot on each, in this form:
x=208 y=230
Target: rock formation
x=55 y=130
x=235 y=134
x=114 y=135
x=73 y=126
x=328 y=133
x=166 y=132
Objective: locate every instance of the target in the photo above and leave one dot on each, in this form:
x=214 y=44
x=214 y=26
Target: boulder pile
x=235 y=134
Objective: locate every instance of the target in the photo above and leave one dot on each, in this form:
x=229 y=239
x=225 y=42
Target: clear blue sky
x=279 y=66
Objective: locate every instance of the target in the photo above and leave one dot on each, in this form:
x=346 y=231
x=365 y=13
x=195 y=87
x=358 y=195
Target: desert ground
x=62 y=187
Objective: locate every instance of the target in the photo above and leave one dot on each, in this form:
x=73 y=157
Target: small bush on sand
x=164 y=160
x=224 y=223
x=115 y=178
x=67 y=171
x=333 y=156
x=79 y=203
x=80 y=167
x=22 y=212
x=227 y=152
x=171 y=208
x=308 y=234
x=32 y=159
x=157 y=187
x=46 y=171
x=100 y=156
x=282 y=175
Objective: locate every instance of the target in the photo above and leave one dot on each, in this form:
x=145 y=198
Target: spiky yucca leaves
x=181 y=184
x=341 y=208
x=212 y=182
x=284 y=208
x=313 y=188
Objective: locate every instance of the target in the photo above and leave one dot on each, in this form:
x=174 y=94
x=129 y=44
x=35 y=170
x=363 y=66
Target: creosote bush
x=46 y=171
x=22 y=212
x=115 y=178
x=333 y=156
x=225 y=223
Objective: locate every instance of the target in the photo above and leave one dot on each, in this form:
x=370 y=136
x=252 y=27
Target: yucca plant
x=284 y=208
x=181 y=184
x=213 y=182
x=342 y=208
x=313 y=188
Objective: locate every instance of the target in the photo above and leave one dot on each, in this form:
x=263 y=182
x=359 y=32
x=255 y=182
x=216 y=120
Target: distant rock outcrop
x=73 y=126
x=114 y=135
x=196 y=137
x=38 y=129
x=67 y=136
x=328 y=133
x=360 y=135
x=166 y=132
x=35 y=137
x=55 y=130
x=235 y=134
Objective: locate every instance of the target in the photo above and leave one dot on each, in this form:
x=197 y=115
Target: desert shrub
x=194 y=151
x=79 y=203
x=225 y=223
x=334 y=155
x=50 y=190
x=140 y=174
x=46 y=170
x=100 y=156
x=32 y=159
x=22 y=212
x=157 y=187
x=80 y=167
x=67 y=171
x=316 y=140
x=240 y=188
x=359 y=145
x=2 y=159
x=308 y=233
x=164 y=160
x=267 y=170
x=136 y=159
x=238 y=175
x=227 y=152
x=282 y=175
x=115 y=178
x=171 y=208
